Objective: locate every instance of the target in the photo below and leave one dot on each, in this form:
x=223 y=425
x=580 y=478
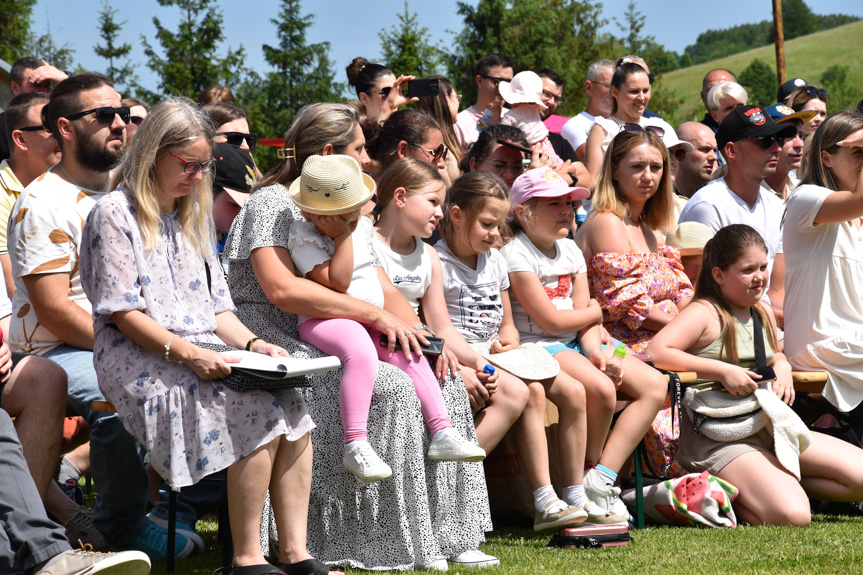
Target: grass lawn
x=832 y=544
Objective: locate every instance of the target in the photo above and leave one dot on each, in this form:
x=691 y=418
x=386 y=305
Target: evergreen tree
x=759 y=79
x=797 y=19
x=405 y=47
x=123 y=74
x=15 y=28
x=191 y=61
x=46 y=49
x=302 y=74
x=843 y=92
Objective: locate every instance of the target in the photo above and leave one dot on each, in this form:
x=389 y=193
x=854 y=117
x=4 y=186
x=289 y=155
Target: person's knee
x=790 y=515
x=570 y=397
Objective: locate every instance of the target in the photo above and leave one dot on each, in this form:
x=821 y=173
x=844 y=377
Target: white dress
x=824 y=297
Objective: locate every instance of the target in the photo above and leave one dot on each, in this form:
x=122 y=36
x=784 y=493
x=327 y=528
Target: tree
x=46 y=49
x=759 y=79
x=191 y=62
x=798 y=19
x=843 y=92
x=113 y=51
x=632 y=25
x=302 y=74
x=15 y=28
x=405 y=48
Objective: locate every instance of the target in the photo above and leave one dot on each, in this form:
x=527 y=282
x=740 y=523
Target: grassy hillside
x=806 y=57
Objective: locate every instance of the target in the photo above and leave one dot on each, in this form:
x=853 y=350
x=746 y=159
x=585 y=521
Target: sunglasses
x=192 y=168
x=385 y=92
x=33 y=129
x=819 y=93
x=136 y=120
x=236 y=138
x=632 y=128
x=767 y=141
x=495 y=80
x=438 y=153
x=105 y=115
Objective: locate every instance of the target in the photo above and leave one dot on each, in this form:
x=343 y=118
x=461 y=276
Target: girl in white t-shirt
x=332 y=248
x=552 y=307
x=475 y=283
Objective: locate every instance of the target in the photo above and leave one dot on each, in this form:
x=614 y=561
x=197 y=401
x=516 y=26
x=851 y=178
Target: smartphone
x=766 y=373
x=518 y=147
x=423 y=87
x=435 y=346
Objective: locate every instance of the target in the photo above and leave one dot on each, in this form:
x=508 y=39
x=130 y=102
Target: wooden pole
x=779 y=35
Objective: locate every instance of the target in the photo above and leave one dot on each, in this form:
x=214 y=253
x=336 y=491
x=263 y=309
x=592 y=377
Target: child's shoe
x=361 y=460
x=448 y=445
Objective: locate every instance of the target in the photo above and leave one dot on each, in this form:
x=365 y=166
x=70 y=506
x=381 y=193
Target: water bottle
x=614 y=365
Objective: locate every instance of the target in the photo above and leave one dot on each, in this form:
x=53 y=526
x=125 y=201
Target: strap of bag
x=758 y=339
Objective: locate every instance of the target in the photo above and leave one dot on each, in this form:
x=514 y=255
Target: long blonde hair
x=175 y=124
x=408 y=173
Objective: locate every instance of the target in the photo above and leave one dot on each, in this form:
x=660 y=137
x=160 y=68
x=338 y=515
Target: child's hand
x=477 y=393
x=333 y=226
x=489 y=380
x=739 y=381
x=503 y=344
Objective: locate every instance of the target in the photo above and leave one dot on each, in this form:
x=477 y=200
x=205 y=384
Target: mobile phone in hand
x=423 y=87
x=435 y=346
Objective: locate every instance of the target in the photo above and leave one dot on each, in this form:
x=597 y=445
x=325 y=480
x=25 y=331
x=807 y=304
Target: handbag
x=721 y=416
x=696 y=499
x=658 y=448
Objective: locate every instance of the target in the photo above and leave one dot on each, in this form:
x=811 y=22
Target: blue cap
x=488 y=369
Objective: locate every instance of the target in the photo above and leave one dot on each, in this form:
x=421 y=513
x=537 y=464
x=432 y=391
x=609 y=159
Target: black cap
x=235 y=168
x=788 y=87
x=750 y=122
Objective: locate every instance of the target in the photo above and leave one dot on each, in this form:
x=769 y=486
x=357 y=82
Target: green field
x=806 y=57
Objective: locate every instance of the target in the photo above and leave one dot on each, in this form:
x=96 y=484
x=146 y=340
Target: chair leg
x=225 y=539
x=639 y=492
x=172 y=529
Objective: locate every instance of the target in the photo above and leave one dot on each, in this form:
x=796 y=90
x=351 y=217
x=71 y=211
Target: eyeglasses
x=633 y=128
x=495 y=80
x=33 y=129
x=192 y=168
x=549 y=96
x=819 y=93
x=767 y=141
x=236 y=138
x=136 y=120
x=105 y=115
x=436 y=154
x=500 y=168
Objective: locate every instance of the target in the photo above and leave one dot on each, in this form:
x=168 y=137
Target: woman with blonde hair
x=149 y=270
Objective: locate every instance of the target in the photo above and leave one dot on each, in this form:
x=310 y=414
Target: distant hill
x=805 y=57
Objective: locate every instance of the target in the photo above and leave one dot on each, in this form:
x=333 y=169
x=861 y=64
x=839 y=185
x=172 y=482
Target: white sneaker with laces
x=78 y=561
x=448 y=445
x=361 y=460
x=474 y=558
x=603 y=494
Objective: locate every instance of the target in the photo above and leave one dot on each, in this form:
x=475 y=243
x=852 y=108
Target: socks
x=607 y=475
x=574 y=495
x=545 y=499
x=68 y=471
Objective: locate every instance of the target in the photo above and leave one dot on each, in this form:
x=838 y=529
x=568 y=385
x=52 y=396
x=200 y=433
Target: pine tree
x=123 y=74
x=191 y=61
x=45 y=48
x=405 y=47
x=15 y=28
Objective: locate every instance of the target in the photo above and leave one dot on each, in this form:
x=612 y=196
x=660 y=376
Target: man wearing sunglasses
x=33 y=150
x=51 y=315
x=491 y=70
x=750 y=140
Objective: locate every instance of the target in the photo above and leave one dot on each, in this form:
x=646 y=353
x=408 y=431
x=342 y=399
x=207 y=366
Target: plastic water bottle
x=614 y=365
x=489 y=369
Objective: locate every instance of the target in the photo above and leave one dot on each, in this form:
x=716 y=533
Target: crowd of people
x=465 y=267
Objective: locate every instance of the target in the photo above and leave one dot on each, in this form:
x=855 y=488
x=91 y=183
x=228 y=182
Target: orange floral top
x=627 y=286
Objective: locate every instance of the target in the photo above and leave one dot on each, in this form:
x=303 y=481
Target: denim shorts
x=574 y=345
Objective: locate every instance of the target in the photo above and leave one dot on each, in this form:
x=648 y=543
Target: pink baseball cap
x=543 y=183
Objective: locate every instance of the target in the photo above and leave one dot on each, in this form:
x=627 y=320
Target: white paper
x=280 y=367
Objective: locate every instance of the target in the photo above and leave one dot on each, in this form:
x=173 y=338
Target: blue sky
x=352 y=26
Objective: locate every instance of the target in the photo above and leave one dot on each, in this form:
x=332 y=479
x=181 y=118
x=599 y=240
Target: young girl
x=332 y=248
x=715 y=338
x=524 y=94
x=552 y=307
x=475 y=286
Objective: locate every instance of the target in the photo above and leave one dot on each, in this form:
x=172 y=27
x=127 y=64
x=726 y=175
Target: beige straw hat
x=332 y=185
x=689 y=237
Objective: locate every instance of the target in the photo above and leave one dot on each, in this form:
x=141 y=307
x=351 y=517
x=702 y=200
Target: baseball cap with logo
x=782 y=113
x=748 y=122
x=788 y=88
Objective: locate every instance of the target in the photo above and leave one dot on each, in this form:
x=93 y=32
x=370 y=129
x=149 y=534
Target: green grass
x=832 y=544
x=806 y=57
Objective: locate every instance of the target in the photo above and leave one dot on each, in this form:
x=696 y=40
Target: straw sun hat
x=331 y=185
x=690 y=238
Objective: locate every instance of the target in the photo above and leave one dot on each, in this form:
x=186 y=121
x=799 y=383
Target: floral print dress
x=190 y=428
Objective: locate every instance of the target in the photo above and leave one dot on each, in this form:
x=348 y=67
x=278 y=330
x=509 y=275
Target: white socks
x=545 y=499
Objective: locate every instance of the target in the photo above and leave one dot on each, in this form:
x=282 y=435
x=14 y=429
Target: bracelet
x=250 y=342
x=424 y=327
x=168 y=347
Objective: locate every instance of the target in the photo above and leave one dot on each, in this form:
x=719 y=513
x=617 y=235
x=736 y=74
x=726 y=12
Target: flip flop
x=263 y=569
x=308 y=567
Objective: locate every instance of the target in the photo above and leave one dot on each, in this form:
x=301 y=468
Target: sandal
x=263 y=569
x=308 y=567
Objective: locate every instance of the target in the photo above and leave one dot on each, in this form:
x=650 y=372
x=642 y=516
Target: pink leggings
x=358 y=347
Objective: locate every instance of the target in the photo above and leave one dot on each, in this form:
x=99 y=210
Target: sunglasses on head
x=104 y=115
x=767 y=141
x=495 y=80
x=633 y=128
x=819 y=93
x=236 y=138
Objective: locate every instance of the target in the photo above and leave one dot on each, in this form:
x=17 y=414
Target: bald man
x=712 y=78
x=696 y=168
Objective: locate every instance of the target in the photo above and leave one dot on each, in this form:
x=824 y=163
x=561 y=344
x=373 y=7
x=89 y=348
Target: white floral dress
x=191 y=428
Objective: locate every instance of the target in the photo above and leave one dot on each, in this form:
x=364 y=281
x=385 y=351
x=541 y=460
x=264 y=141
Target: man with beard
x=52 y=316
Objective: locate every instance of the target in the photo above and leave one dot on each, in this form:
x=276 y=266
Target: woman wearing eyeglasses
x=377 y=88
x=444 y=108
x=137 y=112
x=149 y=270
x=810 y=99
x=232 y=125
x=407 y=134
x=630 y=95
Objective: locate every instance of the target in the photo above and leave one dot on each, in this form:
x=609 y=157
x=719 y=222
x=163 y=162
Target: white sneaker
x=364 y=463
x=448 y=445
x=598 y=516
x=603 y=494
x=438 y=564
x=90 y=562
x=474 y=558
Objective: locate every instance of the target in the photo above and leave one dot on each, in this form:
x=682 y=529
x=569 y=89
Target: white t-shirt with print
x=411 y=273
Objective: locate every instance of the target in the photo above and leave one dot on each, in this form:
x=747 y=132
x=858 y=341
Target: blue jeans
x=115 y=457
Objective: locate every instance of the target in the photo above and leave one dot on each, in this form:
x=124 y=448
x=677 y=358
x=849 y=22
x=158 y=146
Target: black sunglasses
x=137 y=120
x=819 y=93
x=236 y=138
x=33 y=128
x=105 y=115
x=633 y=128
x=495 y=80
x=767 y=141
